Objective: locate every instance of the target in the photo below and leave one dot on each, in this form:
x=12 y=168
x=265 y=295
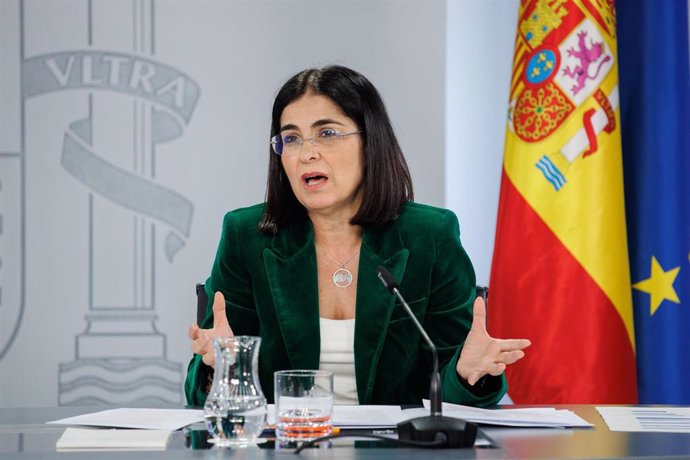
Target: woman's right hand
x=201 y=338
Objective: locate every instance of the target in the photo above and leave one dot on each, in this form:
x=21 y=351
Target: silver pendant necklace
x=342 y=277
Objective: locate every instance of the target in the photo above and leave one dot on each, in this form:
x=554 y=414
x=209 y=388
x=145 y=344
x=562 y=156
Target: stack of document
x=86 y=439
x=663 y=419
x=154 y=428
x=383 y=417
x=546 y=417
x=159 y=423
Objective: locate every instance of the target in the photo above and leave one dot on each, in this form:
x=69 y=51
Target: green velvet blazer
x=271 y=290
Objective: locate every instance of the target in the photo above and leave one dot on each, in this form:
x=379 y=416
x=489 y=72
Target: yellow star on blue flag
x=659 y=285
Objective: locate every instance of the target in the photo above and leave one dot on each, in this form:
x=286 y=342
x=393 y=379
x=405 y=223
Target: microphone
x=451 y=431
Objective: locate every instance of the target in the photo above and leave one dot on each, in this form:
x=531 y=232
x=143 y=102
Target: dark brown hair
x=386 y=184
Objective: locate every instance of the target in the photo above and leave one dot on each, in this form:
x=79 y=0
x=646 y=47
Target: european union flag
x=655 y=124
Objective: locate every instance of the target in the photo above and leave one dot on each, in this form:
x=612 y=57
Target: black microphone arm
x=435 y=389
x=435 y=427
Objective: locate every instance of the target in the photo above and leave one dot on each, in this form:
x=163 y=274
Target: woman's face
x=324 y=176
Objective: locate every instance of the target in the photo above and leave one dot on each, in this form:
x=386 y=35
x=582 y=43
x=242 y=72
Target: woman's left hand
x=483 y=354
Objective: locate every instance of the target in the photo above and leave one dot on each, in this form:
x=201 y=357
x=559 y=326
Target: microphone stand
x=434 y=427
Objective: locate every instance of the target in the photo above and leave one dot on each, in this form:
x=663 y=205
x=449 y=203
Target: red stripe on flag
x=580 y=352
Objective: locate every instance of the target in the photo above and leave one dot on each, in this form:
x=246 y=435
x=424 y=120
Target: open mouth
x=314 y=179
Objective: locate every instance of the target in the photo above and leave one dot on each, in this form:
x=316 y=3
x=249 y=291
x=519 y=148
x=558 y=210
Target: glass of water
x=304 y=404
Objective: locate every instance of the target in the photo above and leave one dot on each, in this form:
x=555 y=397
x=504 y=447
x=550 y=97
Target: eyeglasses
x=291 y=144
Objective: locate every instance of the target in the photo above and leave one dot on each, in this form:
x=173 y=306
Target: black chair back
x=483 y=292
x=201 y=303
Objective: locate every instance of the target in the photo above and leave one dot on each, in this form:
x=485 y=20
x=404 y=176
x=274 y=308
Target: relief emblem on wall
x=134 y=103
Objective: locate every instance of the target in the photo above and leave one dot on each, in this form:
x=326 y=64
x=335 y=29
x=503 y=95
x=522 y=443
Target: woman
x=300 y=269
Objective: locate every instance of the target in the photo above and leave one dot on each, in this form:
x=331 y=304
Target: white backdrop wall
x=480 y=41
x=129 y=127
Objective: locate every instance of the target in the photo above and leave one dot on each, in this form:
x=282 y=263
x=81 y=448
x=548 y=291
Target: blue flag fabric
x=655 y=126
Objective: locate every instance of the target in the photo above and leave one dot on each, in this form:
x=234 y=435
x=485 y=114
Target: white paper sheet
x=149 y=419
x=359 y=416
x=85 y=439
x=379 y=420
x=546 y=417
x=368 y=416
x=668 y=419
x=373 y=417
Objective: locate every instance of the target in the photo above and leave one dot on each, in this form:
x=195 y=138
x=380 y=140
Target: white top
x=338 y=356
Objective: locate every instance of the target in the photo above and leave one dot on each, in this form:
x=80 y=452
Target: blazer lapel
x=374 y=303
x=292 y=277
x=291 y=270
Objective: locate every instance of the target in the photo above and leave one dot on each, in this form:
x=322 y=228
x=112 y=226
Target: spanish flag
x=560 y=274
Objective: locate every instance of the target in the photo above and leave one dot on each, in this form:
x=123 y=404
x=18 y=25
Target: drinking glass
x=304 y=404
